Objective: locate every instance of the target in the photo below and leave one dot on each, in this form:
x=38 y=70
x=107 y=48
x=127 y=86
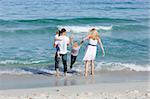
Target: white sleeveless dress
x=91 y=50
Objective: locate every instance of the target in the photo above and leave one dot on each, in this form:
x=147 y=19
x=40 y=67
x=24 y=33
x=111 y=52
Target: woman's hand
x=81 y=42
x=103 y=53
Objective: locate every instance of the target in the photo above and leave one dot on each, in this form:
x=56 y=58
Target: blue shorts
x=57 y=48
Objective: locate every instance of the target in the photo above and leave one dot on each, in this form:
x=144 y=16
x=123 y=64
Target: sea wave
x=78 y=68
x=19 y=62
x=115 y=66
x=78 y=29
x=74 y=24
x=14 y=71
x=73 y=28
x=30 y=30
x=131 y=27
x=141 y=43
x=60 y=21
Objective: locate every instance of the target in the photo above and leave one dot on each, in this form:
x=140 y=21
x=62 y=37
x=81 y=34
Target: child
x=56 y=43
x=74 y=52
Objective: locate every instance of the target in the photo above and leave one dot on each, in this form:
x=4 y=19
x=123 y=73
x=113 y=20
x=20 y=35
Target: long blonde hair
x=94 y=34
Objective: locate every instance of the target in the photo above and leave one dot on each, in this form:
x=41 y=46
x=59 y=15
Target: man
x=63 y=43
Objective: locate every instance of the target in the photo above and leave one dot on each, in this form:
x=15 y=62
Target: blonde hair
x=94 y=34
x=75 y=44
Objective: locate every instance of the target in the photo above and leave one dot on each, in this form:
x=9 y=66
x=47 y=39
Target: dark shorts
x=73 y=60
x=57 y=48
x=64 y=61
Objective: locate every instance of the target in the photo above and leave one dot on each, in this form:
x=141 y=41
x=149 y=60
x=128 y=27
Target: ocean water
x=27 y=30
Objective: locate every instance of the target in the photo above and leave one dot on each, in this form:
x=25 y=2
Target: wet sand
x=104 y=85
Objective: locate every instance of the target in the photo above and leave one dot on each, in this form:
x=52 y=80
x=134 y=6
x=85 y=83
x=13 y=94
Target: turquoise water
x=27 y=29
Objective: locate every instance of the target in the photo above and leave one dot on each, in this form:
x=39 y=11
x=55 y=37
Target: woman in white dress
x=91 y=51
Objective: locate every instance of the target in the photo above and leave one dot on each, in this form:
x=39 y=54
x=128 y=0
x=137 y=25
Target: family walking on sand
x=61 y=43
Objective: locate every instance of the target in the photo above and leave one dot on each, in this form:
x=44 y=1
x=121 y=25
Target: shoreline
x=25 y=81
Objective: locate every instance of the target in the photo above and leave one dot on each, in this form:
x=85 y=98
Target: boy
x=74 y=52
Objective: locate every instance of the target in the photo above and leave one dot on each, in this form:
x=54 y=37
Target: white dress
x=91 y=50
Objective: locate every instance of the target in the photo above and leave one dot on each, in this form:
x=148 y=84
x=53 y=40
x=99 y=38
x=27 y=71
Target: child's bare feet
x=86 y=75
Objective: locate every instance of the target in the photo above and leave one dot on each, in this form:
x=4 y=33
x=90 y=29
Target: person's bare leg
x=58 y=54
x=57 y=72
x=86 y=68
x=92 y=67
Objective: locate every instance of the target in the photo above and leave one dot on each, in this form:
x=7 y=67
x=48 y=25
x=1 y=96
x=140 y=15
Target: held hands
x=81 y=42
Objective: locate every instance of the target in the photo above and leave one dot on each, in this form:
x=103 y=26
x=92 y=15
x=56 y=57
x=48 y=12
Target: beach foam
x=14 y=71
x=21 y=62
x=78 y=67
x=114 y=66
x=78 y=29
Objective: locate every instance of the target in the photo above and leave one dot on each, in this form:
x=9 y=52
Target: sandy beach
x=104 y=85
x=128 y=90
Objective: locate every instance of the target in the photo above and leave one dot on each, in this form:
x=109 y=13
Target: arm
x=69 y=40
x=81 y=43
x=57 y=39
x=101 y=45
x=84 y=39
x=54 y=45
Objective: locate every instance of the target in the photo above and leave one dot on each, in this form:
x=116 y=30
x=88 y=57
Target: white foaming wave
x=79 y=67
x=14 y=71
x=79 y=29
x=114 y=66
x=19 y=71
x=21 y=62
x=13 y=62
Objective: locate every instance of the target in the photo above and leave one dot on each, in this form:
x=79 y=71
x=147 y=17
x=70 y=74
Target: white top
x=92 y=42
x=56 y=36
x=75 y=51
x=56 y=39
x=64 y=40
x=91 y=50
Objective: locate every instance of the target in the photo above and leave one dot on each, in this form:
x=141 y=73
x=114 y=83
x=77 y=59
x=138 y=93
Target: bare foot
x=86 y=75
x=65 y=74
x=92 y=73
